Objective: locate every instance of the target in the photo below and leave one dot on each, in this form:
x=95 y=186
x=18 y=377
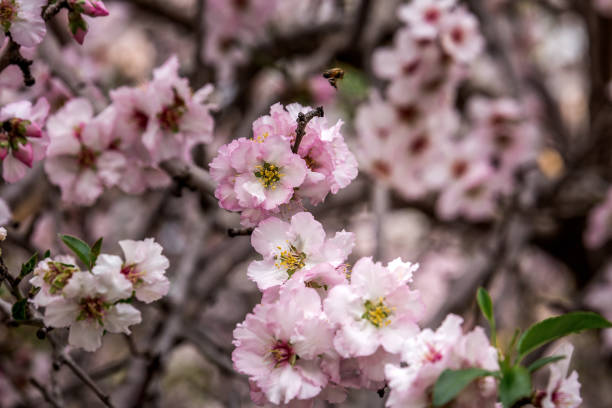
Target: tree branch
x=302 y=121
x=12 y=56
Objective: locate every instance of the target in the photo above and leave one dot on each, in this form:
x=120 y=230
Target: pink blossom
x=81 y=158
x=288 y=247
x=425 y=16
x=22 y=141
x=89 y=307
x=563 y=391
x=376 y=309
x=22 y=19
x=181 y=119
x=473 y=197
x=51 y=275
x=429 y=353
x=460 y=36
x=144 y=268
x=280 y=346
x=599 y=225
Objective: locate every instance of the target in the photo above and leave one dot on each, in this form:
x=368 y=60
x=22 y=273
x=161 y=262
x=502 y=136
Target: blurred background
x=484 y=152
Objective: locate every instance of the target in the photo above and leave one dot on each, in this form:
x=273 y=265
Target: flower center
x=87 y=157
x=171 y=115
x=282 y=353
x=261 y=138
x=292 y=260
x=8 y=13
x=140 y=119
x=268 y=174
x=92 y=308
x=377 y=313
x=57 y=276
x=132 y=274
x=13 y=133
x=432 y=355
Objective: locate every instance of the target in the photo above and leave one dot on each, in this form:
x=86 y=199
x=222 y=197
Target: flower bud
x=24 y=154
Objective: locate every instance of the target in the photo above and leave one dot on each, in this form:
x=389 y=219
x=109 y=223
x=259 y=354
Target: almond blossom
x=289 y=247
x=429 y=353
x=563 y=391
x=88 y=306
x=22 y=140
x=281 y=345
x=51 y=275
x=81 y=158
x=144 y=268
x=22 y=20
x=377 y=309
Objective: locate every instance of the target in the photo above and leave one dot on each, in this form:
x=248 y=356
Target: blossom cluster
x=412 y=138
x=262 y=176
x=323 y=327
x=100 y=299
x=123 y=145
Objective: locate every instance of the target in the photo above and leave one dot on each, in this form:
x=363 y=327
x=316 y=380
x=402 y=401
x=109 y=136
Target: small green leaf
x=514 y=385
x=95 y=251
x=452 y=382
x=541 y=362
x=80 y=248
x=19 y=311
x=29 y=266
x=486 y=307
x=47 y=254
x=485 y=303
x=557 y=327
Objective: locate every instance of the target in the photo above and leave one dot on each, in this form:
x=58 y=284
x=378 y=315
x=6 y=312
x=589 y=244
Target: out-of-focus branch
x=53 y=9
x=236 y=232
x=190 y=176
x=45 y=393
x=64 y=358
x=12 y=56
x=164 y=10
x=51 y=52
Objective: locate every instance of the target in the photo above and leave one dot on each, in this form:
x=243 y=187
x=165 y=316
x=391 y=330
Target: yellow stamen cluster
x=261 y=138
x=291 y=260
x=377 y=313
x=269 y=174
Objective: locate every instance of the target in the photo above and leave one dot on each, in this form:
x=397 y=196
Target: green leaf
x=514 y=385
x=47 y=254
x=452 y=382
x=19 y=311
x=29 y=266
x=95 y=251
x=485 y=303
x=541 y=362
x=80 y=248
x=557 y=327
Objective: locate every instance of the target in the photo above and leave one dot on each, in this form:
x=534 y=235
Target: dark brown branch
x=302 y=121
x=164 y=10
x=12 y=56
x=189 y=175
x=235 y=232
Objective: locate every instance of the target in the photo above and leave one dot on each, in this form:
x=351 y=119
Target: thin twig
x=235 y=232
x=45 y=393
x=302 y=121
x=53 y=9
x=189 y=175
x=64 y=358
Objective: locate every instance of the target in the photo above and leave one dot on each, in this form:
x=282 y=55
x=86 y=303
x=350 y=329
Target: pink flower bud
x=33 y=130
x=94 y=8
x=24 y=154
x=79 y=35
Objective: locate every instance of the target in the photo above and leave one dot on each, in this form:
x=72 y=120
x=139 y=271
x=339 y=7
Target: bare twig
x=65 y=358
x=189 y=175
x=45 y=393
x=302 y=121
x=53 y=9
